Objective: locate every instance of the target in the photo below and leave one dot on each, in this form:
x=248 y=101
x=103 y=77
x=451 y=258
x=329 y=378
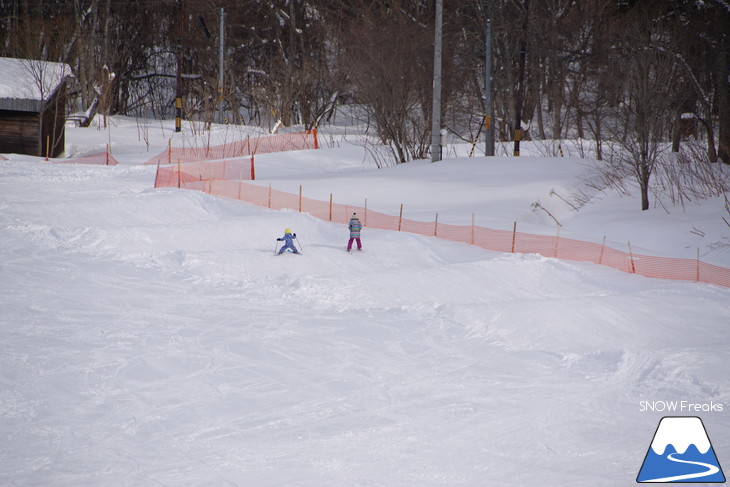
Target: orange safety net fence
x=192 y=177
x=249 y=146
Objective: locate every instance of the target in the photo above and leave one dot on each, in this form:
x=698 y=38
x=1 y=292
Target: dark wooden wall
x=20 y=133
x=26 y=133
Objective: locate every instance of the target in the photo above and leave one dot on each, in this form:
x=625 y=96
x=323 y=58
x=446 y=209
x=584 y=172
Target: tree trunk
x=723 y=101
x=711 y=151
x=644 y=183
x=557 y=115
x=677 y=132
x=540 y=125
x=579 y=123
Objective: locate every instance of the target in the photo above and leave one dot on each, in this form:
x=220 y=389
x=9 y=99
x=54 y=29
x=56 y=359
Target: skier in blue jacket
x=288 y=240
x=354 y=226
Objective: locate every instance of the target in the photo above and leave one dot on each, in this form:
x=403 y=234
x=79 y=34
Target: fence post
x=436 y=226
x=472 y=228
x=157 y=174
x=514 y=236
x=107 y=154
x=253 y=171
x=300 y=198
x=330 y=206
x=169 y=151
x=400 y=217
x=178 y=173
x=557 y=243
x=698 y=265
x=603 y=245
x=631 y=260
x=240 y=188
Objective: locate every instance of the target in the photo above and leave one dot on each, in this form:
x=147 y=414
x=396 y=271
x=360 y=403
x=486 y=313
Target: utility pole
x=488 y=133
x=179 y=83
x=521 y=78
x=436 y=113
x=221 y=47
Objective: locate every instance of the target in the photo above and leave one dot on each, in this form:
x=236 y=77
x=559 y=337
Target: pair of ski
x=298 y=252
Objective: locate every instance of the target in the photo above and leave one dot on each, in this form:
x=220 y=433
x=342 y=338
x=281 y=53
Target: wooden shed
x=32 y=107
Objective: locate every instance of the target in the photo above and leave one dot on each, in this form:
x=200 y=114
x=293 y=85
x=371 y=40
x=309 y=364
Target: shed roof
x=25 y=84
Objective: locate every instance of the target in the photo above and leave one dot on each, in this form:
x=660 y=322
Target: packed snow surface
x=151 y=337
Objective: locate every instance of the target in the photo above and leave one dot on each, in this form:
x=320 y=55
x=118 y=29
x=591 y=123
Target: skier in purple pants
x=355 y=226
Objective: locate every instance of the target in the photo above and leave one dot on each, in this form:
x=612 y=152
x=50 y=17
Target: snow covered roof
x=26 y=83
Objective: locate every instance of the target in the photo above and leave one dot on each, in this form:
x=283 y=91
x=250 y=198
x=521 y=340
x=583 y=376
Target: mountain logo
x=680 y=452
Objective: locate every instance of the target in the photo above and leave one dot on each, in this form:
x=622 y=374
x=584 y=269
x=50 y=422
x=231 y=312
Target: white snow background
x=149 y=337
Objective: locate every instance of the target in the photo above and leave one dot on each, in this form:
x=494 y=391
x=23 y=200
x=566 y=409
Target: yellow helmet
x=288 y=230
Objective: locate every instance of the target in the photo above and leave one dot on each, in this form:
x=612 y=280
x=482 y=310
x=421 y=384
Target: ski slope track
x=151 y=337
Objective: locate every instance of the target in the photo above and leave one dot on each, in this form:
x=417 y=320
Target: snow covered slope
x=150 y=337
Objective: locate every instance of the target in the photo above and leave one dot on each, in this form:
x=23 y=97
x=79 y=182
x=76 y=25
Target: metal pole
x=221 y=48
x=488 y=134
x=436 y=113
x=179 y=83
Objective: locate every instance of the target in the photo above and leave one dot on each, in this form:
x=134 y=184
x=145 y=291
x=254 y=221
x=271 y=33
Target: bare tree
x=650 y=97
x=388 y=58
x=689 y=176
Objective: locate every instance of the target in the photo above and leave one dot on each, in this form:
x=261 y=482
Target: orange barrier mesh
x=247 y=147
x=184 y=174
x=190 y=177
x=102 y=158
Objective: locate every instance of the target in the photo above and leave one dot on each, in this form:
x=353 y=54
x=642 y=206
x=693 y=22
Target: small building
x=32 y=107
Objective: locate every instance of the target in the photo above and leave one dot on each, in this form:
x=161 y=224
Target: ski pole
x=299 y=244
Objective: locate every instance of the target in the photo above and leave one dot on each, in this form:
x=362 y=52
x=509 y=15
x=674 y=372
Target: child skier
x=288 y=240
x=355 y=226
